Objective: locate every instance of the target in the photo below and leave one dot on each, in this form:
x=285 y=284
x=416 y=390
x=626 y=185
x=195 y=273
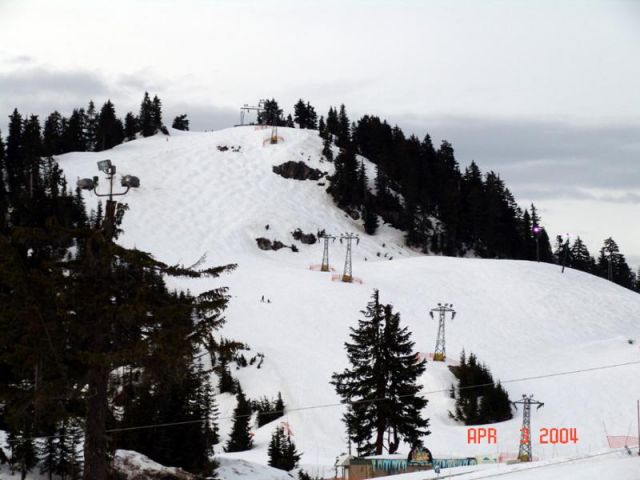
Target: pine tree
x=240 y=438
x=271 y=114
x=4 y=197
x=146 y=117
x=156 y=115
x=322 y=127
x=289 y=122
x=73 y=132
x=580 y=257
x=14 y=155
x=91 y=127
x=131 y=127
x=381 y=383
x=109 y=129
x=181 y=122
x=326 y=149
x=282 y=451
x=52 y=135
x=226 y=383
x=344 y=129
x=620 y=271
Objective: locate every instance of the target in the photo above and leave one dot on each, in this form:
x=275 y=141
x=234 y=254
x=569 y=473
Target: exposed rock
x=266 y=244
x=298 y=171
x=306 y=238
x=130 y=465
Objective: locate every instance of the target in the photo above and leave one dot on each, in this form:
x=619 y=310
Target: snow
x=234 y=469
x=608 y=465
x=522 y=318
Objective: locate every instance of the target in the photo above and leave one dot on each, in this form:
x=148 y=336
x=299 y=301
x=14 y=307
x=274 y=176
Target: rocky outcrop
x=306 y=238
x=298 y=171
x=266 y=244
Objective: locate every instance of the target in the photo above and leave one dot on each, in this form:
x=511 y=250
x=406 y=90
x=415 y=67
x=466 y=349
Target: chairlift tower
x=524 y=452
x=325 y=253
x=440 y=353
x=347 y=275
x=246 y=109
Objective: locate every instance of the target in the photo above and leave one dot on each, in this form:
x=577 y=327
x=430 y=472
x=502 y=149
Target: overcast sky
x=547 y=93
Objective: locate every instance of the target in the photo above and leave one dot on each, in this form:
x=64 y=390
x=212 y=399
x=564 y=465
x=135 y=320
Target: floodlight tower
x=440 y=353
x=537 y=231
x=325 y=253
x=524 y=452
x=348 y=237
x=127 y=181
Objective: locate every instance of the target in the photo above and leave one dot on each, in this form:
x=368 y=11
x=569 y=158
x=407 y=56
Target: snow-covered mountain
x=522 y=318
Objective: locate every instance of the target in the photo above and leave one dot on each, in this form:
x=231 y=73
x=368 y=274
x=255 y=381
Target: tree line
x=442 y=208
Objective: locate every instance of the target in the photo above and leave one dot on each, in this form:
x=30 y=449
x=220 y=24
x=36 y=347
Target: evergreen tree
x=181 y=122
x=52 y=135
x=332 y=127
x=109 y=129
x=344 y=129
x=131 y=126
x=282 y=451
x=146 y=117
x=14 y=155
x=4 y=197
x=322 y=127
x=240 y=438
x=73 y=132
x=271 y=114
x=610 y=259
x=23 y=451
x=289 y=122
x=226 y=384
x=580 y=257
x=380 y=384
x=156 y=115
x=91 y=127
x=326 y=149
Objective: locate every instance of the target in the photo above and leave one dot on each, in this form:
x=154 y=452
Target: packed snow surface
x=523 y=319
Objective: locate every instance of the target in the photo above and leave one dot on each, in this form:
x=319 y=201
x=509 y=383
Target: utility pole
x=347 y=275
x=638 y=426
x=524 y=452
x=96 y=445
x=325 y=253
x=440 y=353
x=565 y=253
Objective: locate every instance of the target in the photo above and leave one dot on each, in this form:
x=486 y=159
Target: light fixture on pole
x=127 y=181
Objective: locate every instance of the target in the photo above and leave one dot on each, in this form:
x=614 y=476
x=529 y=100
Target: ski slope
x=522 y=318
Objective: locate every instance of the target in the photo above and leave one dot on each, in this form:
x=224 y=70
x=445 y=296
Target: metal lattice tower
x=440 y=353
x=347 y=276
x=524 y=452
x=325 y=253
x=246 y=109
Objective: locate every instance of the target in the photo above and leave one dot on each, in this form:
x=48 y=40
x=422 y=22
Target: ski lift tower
x=440 y=353
x=246 y=109
x=325 y=254
x=524 y=452
x=347 y=275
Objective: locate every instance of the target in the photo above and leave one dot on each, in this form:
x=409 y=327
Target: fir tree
x=131 y=127
x=156 y=115
x=381 y=383
x=181 y=122
x=326 y=149
x=282 y=451
x=91 y=127
x=271 y=114
x=109 y=129
x=240 y=438
x=146 y=117
x=52 y=135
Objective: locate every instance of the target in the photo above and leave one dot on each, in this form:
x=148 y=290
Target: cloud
x=563 y=157
x=43 y=81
